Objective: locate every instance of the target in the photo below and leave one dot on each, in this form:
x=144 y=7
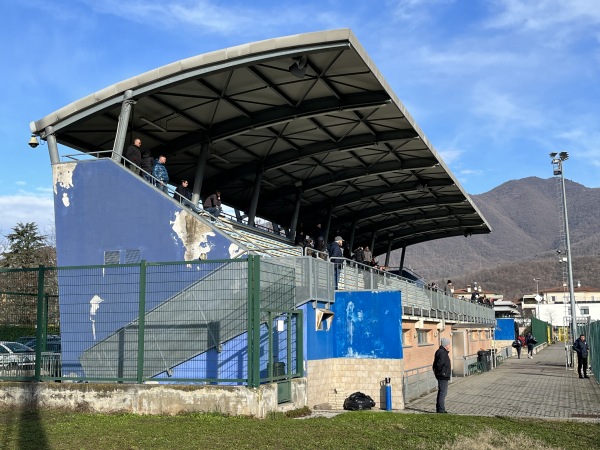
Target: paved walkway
x=535 y=388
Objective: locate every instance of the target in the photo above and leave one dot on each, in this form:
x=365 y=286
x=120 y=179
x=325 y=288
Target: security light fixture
x=298 y=67
x=33 y=142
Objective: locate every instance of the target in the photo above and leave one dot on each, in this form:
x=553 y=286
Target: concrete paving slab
x=541 y=387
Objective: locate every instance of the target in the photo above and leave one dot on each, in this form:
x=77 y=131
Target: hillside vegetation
x=526 y=220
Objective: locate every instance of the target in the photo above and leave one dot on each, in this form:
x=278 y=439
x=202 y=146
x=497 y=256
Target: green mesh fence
x=217 y=322
x=541 y=330
x=594 y=343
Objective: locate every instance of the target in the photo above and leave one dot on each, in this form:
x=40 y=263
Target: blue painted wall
x=505 y=329
x=367 y=324
x=102 y=207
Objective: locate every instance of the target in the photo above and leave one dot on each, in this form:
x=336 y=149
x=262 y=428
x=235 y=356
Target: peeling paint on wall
x=65 y=199
x=94 y=305
x=63 y=174
x=193 y=234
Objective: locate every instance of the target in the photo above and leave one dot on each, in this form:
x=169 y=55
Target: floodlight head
x=553 y=155
x=563 y=156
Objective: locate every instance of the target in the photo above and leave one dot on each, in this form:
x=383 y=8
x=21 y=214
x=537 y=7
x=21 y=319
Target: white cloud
x=26 y=208
x=205 y=16
x=546 y=14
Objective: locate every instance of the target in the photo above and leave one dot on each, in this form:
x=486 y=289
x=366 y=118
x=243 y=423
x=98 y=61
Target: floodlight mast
x=557 y=160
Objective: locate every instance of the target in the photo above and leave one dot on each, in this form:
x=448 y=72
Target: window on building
x=406 y=341
x=422 y=337
x=585 y=310
x=554 y=299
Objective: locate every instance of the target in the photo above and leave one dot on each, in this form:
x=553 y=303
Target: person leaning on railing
x=212 y=204
x=134 y=156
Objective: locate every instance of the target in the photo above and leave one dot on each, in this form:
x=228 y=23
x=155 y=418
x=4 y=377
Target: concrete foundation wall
x=150 y=399
x=331 y=381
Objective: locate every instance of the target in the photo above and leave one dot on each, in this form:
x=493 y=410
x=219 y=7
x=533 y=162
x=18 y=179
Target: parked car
x=14 y=355
x=52 y=343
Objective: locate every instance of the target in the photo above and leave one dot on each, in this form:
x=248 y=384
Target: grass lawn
x=49 y=430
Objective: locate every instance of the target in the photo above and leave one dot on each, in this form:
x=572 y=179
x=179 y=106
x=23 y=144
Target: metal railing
x=436 y=304
x=417 y=382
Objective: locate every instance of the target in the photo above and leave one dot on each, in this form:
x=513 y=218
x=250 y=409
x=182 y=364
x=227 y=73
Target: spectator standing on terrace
x=367 y=255
x=160 y=173
x=581 y=347
x=147 y=165
x=319 y=237
x=300 y=235
x=134 y=156
x=449 y=289
x=184 y=195
x=212 y=204
x=335 y=256
x=442 y=370
x=359 y=255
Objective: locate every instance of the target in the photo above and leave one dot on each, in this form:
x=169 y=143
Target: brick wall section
x=331 y=381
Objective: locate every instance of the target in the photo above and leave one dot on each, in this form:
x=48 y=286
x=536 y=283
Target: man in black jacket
x=442 y=370
x=581 y=347
x=134 y=155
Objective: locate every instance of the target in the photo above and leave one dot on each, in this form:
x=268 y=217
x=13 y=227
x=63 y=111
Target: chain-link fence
x=217 y=322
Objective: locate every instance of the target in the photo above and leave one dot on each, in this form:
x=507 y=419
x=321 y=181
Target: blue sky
x=494 y=84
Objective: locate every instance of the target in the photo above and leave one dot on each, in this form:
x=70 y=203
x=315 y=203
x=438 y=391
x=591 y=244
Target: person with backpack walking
x=531 y=341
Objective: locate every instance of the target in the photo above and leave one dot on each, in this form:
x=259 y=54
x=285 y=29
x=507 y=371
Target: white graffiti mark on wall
x=94 y=305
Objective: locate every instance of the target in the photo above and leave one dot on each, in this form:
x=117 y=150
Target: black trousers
x=582 y=362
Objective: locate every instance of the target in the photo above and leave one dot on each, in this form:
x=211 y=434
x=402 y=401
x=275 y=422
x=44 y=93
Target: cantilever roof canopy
x=306 y=116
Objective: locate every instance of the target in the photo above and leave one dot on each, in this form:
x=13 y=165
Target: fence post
x=300 y=342
x=141 y=323
x=40 y=332
x=253 y=320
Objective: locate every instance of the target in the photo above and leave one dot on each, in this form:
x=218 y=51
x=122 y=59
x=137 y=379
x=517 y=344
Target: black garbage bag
x=358 y=401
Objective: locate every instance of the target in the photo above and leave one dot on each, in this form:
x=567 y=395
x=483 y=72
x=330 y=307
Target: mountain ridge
x=527 y=221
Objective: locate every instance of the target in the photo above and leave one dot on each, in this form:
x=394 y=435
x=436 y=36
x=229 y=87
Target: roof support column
x=52 y=145
x=373 y=243
x=296 y=214
x=200 y=169
x=401 y=266
x=122 y=125
x=389 y=251
x=328 y=225
x=255 y=195
x=352 y=233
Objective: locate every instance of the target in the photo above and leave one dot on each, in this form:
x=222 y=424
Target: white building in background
x=554 y=305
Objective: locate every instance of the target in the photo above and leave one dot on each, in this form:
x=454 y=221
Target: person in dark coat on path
x=581 y=347
x=530 y=341
x=443 y=371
